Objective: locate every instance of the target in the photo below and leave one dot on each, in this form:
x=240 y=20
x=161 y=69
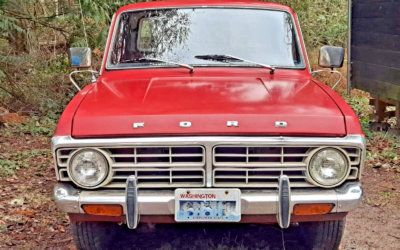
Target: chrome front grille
x=261 y=166
x=244 y=162
x=154 y=166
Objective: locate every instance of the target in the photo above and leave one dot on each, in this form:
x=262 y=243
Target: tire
x=95 y=235
x=324 y=235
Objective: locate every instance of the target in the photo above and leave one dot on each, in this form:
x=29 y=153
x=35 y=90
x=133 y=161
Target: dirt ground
x=29 y=218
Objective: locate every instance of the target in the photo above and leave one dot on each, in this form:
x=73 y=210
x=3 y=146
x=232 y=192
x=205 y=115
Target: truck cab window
x=263 y=36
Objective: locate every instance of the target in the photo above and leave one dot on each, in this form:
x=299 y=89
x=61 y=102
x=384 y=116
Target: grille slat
x=118 y=166
x=260 y=164
x=262 y=155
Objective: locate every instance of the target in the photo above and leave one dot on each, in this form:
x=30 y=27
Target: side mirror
x=80 y=57
x=331 y=57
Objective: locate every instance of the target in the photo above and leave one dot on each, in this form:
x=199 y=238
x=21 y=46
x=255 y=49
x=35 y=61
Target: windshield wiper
x=147 y=59
x=229 y=58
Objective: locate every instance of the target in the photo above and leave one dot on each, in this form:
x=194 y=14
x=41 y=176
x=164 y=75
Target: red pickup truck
x=207 y=112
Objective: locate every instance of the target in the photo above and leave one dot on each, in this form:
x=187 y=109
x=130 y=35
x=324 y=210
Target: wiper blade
x=147 y=59
x=217 y=58
x=229 y=58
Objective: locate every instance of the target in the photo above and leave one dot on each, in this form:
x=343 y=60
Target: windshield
x=178 y=35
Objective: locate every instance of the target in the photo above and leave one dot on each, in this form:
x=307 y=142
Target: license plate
x=217 y=205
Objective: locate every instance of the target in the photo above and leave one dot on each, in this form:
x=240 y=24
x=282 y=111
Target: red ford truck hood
x=112 y=106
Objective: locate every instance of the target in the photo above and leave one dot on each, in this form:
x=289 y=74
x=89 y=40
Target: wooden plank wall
x=375 y=47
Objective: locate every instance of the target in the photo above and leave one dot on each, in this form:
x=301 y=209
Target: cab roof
x=198 y=3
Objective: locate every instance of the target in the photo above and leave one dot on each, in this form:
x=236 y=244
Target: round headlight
x=328 y=167
x=88 y=167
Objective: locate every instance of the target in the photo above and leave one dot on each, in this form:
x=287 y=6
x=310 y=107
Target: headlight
x=328 y=167
x=88 y=168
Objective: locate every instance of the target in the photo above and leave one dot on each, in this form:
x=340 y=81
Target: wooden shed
x=374 y=54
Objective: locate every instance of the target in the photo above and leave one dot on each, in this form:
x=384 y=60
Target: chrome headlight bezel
x=313 y=154
x=104 y=181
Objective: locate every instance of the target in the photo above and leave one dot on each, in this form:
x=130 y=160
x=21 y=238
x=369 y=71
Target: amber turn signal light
x=109 y=210
x=310 y=209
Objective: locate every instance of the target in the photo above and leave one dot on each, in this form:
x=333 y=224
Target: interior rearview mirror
x=331 y=57
x=80 y=57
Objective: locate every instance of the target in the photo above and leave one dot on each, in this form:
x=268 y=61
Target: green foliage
x=8 y=25
x=100 y=10
x=361 y=107
x=370 y=156
x=20 y=160
x=385 y=194
x=30 y=153
x=40 y=86
x=389 y=155
x=323 y=22
x=97 y=17
x=7 y=167
x=35 y=126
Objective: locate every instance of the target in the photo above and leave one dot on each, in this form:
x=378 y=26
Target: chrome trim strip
x=346 y=198
x=349 y=140
x=210 y=141
x=108 y=62
x=205 y=66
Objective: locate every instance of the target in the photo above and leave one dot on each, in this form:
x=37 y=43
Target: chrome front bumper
x=253 y=202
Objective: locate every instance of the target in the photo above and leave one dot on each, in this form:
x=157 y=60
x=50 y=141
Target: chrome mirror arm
x=82 y=71
x=330 y=71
